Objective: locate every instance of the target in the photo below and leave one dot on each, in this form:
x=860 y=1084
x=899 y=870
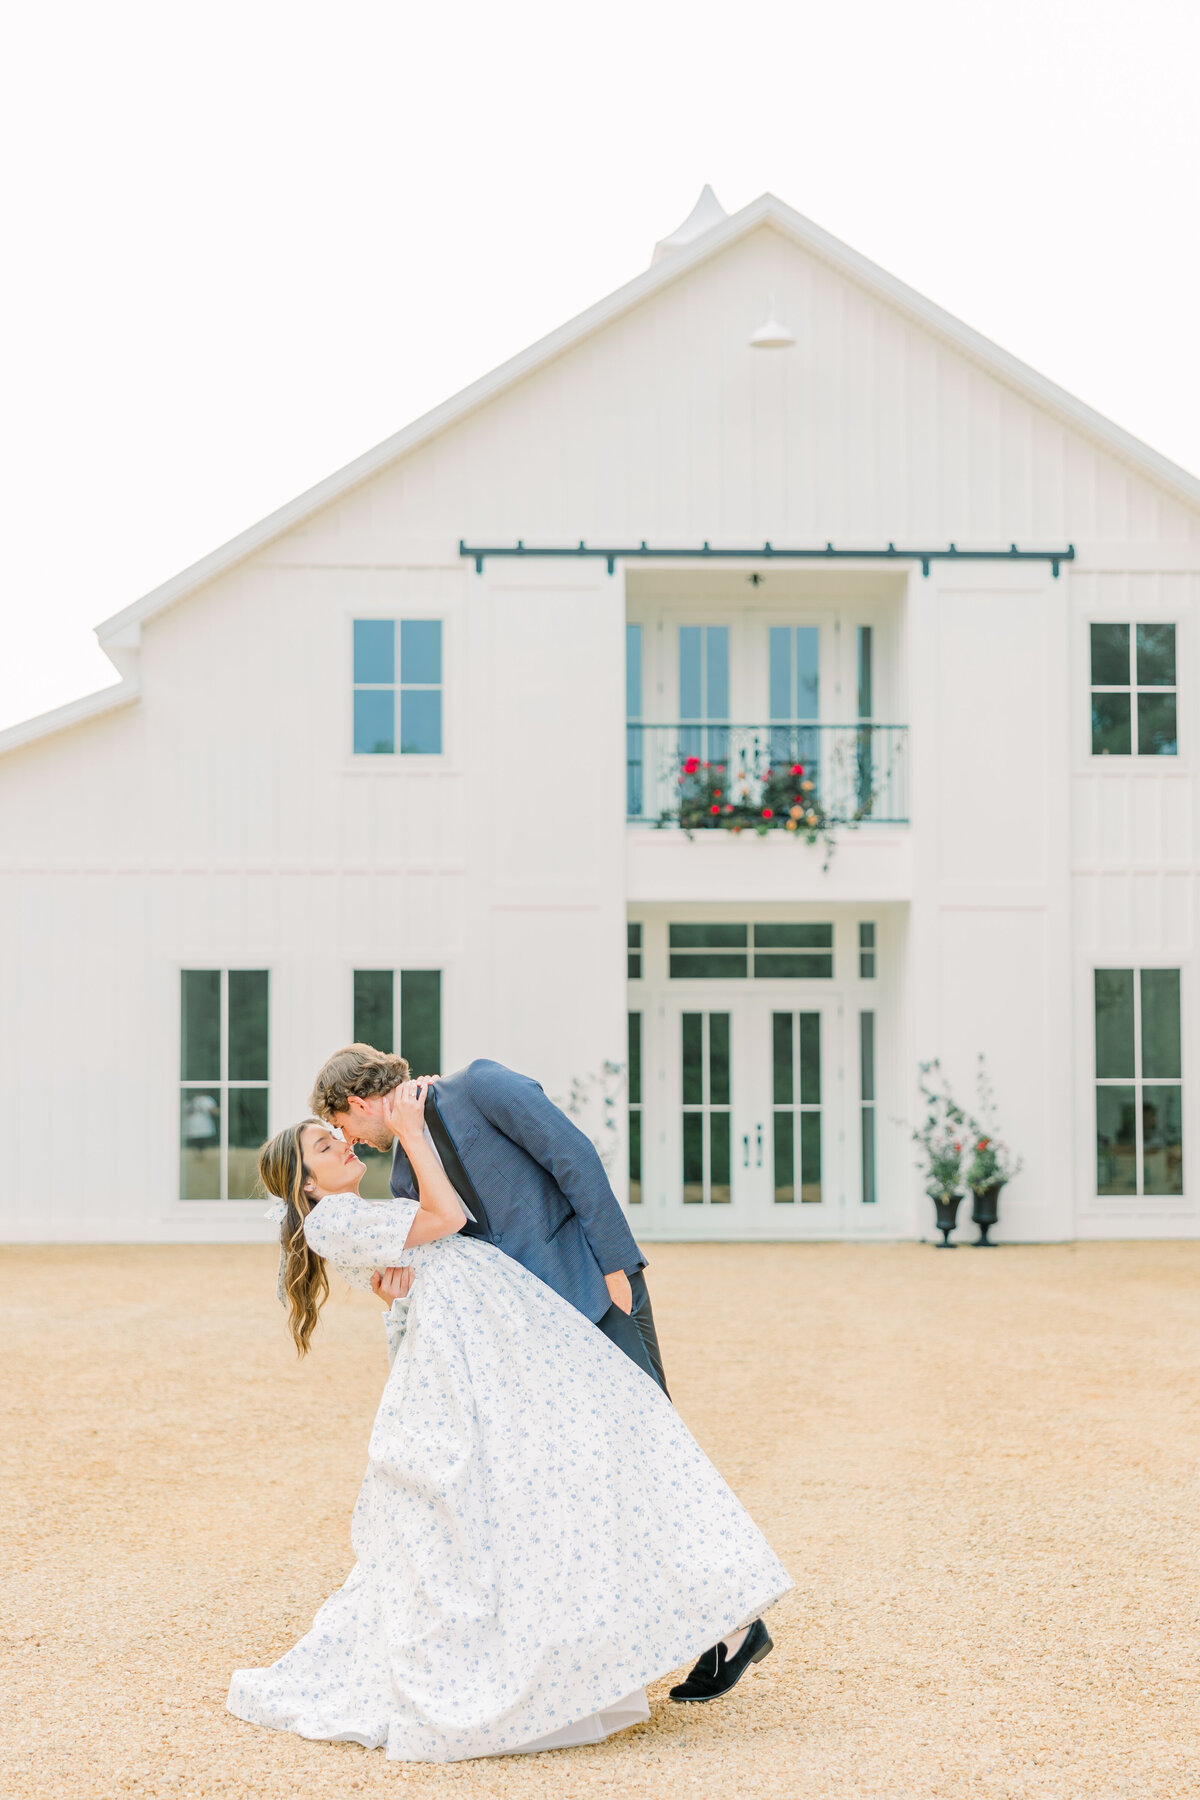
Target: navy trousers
x=634 y=1332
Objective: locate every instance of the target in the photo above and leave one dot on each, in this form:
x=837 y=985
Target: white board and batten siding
x=216 y=817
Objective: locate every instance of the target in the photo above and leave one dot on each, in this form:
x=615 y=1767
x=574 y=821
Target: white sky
x=244 y=242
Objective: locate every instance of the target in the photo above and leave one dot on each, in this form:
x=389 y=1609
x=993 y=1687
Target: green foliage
x=992 y=1162
x=775 y=798
x=942 y=1134
x=595 y=1103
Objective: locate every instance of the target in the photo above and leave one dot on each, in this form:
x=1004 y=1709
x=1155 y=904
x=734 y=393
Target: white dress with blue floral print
x=538 y=1534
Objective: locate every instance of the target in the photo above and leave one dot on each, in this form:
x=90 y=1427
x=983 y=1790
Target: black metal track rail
x=768 y=552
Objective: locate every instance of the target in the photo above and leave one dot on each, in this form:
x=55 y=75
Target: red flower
x=983 y=1143
x=797 y=768
x=768 y=813
x=691 y=766
x=714 y=809
x=729 y=809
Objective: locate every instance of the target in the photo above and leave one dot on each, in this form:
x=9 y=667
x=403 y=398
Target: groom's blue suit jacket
x=549 y=1203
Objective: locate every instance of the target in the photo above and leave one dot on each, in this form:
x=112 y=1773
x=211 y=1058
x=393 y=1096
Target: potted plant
x=992 y=1162
x=941 y=1139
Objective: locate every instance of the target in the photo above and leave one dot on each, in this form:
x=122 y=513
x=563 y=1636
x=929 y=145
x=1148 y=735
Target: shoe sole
x=703 y=1699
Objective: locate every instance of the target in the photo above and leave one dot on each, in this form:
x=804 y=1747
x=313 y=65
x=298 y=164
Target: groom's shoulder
x=483 y=1076
x=483 y=1072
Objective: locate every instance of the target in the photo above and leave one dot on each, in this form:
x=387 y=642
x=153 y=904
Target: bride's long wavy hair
x=305 y=1283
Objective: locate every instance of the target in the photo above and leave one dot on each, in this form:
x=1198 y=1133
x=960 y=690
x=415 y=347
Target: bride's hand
x=404 y=1110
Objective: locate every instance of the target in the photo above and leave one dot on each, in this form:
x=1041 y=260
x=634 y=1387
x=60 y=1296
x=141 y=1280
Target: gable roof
x=120 y=632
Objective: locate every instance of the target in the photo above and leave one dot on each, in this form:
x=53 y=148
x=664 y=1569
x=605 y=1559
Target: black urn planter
x=985 y=1210
x=946 y=1207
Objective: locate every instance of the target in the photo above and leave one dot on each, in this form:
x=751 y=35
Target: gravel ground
x=980 y=1470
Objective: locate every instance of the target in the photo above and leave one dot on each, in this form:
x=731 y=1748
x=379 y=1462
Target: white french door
x=752 y=1133
x=746 y=666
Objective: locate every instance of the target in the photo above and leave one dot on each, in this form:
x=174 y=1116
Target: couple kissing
x=538 y=1535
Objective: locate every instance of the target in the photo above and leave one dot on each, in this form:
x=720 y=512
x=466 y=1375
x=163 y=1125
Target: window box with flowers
x=780 y=799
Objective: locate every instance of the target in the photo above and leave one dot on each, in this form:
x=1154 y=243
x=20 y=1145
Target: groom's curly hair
x=358 y=1069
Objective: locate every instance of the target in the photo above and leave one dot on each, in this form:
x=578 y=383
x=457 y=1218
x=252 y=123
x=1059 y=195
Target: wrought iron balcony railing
x=706 y=775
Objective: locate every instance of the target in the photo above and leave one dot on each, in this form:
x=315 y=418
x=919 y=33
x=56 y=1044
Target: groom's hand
x=619 y=1290
x=392 y=1284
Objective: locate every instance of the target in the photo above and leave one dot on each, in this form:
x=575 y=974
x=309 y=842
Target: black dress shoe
x=716 y=1672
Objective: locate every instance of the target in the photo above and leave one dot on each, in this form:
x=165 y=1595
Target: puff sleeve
x=357 y=1236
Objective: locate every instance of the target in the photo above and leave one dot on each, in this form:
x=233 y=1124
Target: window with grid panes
x=1139 y=1082
x=793 y=952
x=1134 y=693
x=415 y=1024
x=397 y=687
x=223 y=1090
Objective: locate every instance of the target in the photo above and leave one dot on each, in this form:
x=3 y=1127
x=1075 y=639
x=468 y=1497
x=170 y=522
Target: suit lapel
x=403 y=1182
x=453 y=1165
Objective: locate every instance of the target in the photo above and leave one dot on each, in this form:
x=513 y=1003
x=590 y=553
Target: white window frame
x=1133 y=689
x=1137 y=1080
x=223 y=1083
x=363 y=762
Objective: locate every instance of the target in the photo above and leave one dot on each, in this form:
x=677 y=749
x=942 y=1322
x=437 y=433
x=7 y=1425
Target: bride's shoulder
x=338 y=1218
x=334 y=1213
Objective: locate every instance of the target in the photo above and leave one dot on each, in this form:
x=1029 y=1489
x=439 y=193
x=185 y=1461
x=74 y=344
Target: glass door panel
x=796 y=1123
x=794 y=691
x=704 y=692
x=706 y=1088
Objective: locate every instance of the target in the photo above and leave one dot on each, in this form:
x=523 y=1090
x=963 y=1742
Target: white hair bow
x=277 y=1213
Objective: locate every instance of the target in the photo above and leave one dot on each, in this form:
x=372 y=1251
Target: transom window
x=728 y=952
x=1139 y=1094
x=223 y=1093
x=1134 y=694
x=397 y=696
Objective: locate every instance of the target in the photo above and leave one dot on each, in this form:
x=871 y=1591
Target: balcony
x=701 y=777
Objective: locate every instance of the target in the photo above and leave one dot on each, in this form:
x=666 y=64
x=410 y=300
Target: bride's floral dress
x=538 y=1534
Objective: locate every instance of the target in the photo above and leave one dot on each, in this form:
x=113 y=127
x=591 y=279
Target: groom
x=533 y=1185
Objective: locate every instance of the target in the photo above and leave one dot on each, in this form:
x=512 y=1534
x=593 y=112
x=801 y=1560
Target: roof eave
x=766 y=209
x=76 y=712
x=450 y=412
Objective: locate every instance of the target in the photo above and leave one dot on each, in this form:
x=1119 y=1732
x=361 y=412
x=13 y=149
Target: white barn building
x=390 y=764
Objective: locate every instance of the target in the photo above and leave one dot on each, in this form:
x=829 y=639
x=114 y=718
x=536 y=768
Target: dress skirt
x=538 y=1536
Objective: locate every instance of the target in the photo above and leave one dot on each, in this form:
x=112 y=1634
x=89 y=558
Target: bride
x=537 y=1536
